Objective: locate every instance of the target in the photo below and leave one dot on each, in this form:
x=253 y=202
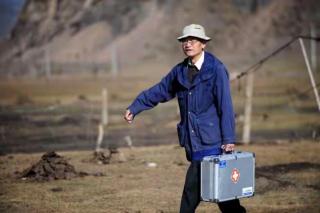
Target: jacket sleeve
x=159 y=93
x=224 y=105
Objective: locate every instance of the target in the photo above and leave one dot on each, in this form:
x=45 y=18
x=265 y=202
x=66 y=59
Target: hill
x=82 y=35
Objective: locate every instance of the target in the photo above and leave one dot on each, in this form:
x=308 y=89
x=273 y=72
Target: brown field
x=78 y=40
x=287 y=180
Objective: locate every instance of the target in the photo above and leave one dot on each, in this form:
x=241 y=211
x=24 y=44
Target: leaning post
x=313 y=83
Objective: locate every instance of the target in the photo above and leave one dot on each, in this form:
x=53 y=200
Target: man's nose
x=188 y=44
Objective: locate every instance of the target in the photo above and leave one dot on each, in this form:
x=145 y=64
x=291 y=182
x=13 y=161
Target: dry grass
x=276 y=106
x=133 y=187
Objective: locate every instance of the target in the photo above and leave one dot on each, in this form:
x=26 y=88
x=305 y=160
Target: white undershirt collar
x=199 y=63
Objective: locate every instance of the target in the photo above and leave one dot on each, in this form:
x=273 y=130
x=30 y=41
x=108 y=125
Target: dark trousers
x=191 y=194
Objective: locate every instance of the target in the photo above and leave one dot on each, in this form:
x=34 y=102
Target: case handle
x=228 y=152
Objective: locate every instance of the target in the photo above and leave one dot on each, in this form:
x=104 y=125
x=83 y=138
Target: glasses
x=191 y=41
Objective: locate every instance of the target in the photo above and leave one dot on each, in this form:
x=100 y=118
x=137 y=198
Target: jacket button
x=192 y=131
x=190 y=93
x=189 y=112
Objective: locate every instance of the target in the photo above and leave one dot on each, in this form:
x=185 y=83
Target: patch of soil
x=6 y=118
x=269 y=178
x=51 y=167
x=113 y=156
x=286 y=168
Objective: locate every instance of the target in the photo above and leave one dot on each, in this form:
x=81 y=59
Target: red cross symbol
x=235 y=175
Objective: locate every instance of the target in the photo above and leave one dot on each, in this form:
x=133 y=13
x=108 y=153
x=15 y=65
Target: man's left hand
x=228 y=147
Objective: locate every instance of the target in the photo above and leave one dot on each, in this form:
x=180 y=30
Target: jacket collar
x=207 y=71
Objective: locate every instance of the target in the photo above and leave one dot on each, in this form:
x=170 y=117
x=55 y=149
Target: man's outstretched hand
x=128 y=116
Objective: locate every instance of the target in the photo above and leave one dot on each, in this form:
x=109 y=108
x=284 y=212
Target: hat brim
x=205 y=38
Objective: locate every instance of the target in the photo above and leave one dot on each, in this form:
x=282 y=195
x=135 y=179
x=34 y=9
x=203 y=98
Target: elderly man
x=207 y=127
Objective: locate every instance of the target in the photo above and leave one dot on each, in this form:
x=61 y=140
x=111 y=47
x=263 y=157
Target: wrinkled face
x=192 y=47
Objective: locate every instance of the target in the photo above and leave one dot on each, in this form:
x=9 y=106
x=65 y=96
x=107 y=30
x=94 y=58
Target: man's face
x=192 y=46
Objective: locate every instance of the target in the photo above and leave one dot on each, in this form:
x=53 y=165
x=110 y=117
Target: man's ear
x=203 y=45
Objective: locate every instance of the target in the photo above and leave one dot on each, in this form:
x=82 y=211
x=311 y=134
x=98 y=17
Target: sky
x=9 y=11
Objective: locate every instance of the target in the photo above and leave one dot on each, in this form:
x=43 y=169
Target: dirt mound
x=51 y=167
x=113 y=156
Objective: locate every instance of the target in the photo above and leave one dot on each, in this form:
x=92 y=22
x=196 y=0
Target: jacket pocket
x=181 y=134
x=209 y=132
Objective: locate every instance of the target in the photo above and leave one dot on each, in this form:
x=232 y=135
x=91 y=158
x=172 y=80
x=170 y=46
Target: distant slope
x=146 y=30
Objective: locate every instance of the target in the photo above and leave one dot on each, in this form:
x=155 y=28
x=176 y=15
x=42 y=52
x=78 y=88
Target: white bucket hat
x=194 y=30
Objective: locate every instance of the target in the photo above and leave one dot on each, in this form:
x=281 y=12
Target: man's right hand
x=228 y=147
x=128 y=116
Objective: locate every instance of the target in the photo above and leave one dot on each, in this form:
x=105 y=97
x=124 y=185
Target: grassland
x=287 y=180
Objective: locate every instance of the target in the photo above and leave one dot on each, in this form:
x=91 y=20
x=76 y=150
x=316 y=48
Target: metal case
x=228 y=176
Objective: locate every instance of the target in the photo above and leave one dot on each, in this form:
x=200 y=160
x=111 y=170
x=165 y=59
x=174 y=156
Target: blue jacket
x=206 y=110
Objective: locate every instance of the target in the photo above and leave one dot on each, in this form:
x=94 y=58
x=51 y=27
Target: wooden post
x=128 y=141
x=104 y=120
x=114 y=60
x=246 y=136
x=104 y=107
x=100 y=138
x=47 y=62
x=313 y=47
x=313 y=83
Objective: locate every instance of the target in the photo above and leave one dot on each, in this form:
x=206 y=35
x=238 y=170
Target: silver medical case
x=227 y=176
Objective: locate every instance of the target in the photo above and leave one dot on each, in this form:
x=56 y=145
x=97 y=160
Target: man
x=207 y=124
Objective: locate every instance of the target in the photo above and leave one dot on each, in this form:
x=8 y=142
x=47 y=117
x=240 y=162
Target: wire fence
x=283 y=106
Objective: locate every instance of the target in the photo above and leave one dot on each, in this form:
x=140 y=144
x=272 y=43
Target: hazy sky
x=9 y=10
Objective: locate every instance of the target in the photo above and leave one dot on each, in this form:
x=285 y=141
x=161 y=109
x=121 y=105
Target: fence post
x=313 y=83
x=100 y=138
x=313 y=47
x=114 y=60
x=246 y=135
x=104 y=107
x=47 y=62
x=104 y=119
